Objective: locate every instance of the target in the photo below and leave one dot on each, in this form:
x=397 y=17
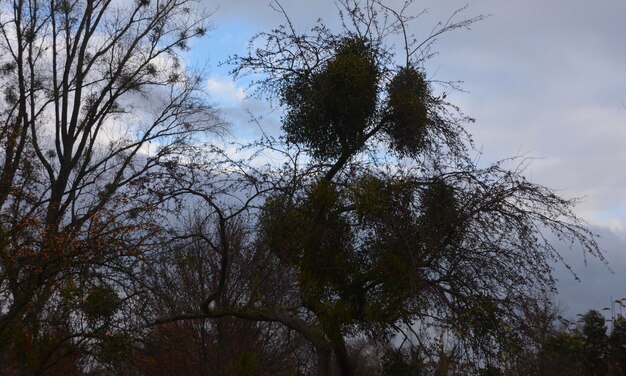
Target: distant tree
x=617 y=345
x=581 y=348
x=542 y=324
x=595 y=343
x=562 y=353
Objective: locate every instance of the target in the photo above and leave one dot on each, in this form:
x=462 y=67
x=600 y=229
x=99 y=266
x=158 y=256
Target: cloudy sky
x=546 y=79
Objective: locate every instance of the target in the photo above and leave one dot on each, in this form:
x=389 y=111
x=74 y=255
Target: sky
x=543 y=79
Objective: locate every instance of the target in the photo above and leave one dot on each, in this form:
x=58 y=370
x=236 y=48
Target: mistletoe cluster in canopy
x=334 y=109
x=362 y=254
x=410 y=111
x=341 y=91
x=328 y=110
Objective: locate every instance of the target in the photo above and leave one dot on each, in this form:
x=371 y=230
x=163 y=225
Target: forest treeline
x=137 y=238
x=553 y=345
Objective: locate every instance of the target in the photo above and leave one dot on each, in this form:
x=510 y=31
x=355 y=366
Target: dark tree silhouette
x=617 y=345
x=378 y=220
x=595 y=343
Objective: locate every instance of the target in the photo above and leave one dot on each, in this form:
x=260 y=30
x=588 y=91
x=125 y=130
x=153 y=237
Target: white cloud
x=225 y=90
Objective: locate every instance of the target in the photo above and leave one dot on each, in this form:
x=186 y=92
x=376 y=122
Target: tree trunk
x=334 y=362
x=343 y=359
x=324 y=360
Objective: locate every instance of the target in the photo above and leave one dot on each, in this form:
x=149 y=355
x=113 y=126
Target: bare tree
x=186 y=274
x=95 y=102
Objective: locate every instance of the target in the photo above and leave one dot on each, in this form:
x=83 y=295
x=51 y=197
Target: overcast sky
x=546 y=79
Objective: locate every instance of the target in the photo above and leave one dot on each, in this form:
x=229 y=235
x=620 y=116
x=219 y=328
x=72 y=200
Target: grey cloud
x=598 y=286
x=253 y=117
x=545 y=78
